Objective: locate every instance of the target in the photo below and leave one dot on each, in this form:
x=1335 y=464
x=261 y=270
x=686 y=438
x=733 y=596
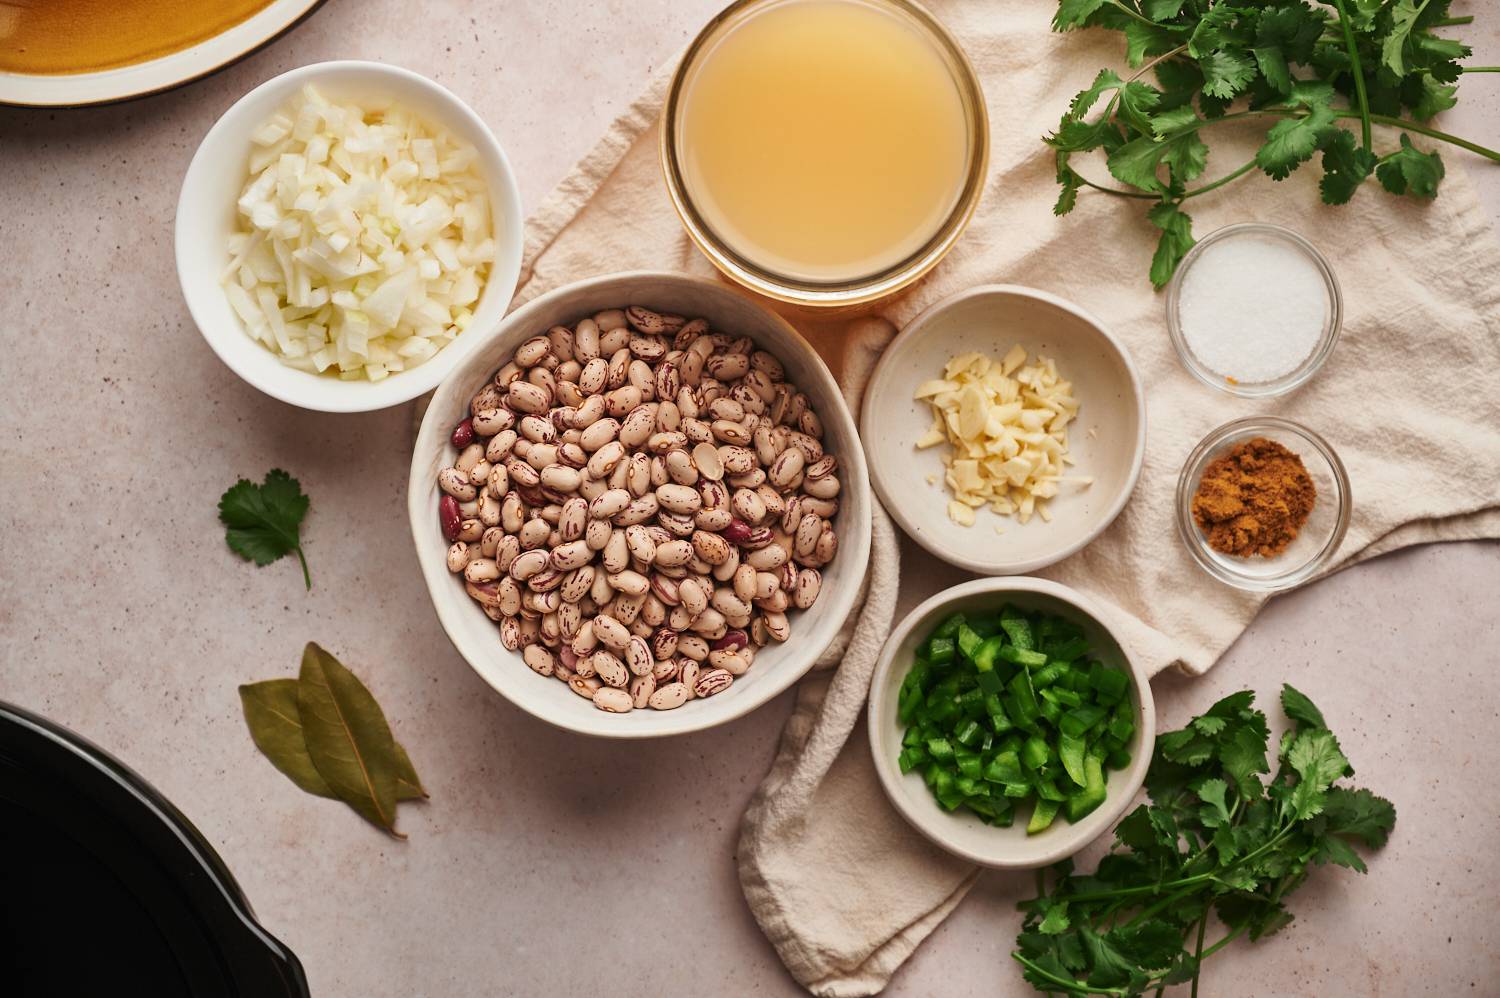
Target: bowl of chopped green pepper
x=1007 y=722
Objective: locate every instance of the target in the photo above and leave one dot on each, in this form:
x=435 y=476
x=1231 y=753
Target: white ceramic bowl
x=963 y=833
x=1107 y=440
x=776 y=667
x=206 y=217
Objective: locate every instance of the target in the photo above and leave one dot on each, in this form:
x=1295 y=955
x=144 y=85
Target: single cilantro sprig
x=1217 y=843
x=1286 y=62
x=264 y=521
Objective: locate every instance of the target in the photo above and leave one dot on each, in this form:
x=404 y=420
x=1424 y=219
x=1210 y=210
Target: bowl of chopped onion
x=345 y=234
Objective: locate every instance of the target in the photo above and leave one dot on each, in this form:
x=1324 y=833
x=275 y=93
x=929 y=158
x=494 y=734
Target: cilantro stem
x=1432 y=133
x=1449 y=22
x=1227 y=178
x=1174 y=885
x=1479 y=69
x=1231 y=937
x=1198 y=952
x=1085 y=181
x=306 y=578
x=1133 y=13
x=1157 y=61
x=1073 y=987
x=1359 y=75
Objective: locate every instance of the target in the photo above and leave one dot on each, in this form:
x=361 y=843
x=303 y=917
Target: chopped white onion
x=364 y=238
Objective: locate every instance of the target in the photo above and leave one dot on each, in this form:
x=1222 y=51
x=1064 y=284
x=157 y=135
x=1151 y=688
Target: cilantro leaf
x=1393 y=45
x=263 y=521
x=1106 y=81
x=1209 y=724
x=1362 y=13
x=1345 y=167
x=1211 y=792
x=1216 y=29
x=1226 y=73
x=1294 y=703
x=1055 y=921
x=1074 y=13
x=1426 y=96
x=1174 y=119
x=1136 y=101
x=1243 y=756
x=1179 y=81
x=1292 y=141
x=1153 y=944
x=1186 y=156
x=1136 y=163
x=1162 y=10
x=1142 y=40
x=1176 y=239
x=1109 y=966
x=1408 y=170
x=1067 y=198
x=1332 y=849
x=1271 y=61
x=1360 y=814
x=1315 y=757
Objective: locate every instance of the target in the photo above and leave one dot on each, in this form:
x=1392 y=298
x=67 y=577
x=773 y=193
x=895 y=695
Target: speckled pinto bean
x=653 y=499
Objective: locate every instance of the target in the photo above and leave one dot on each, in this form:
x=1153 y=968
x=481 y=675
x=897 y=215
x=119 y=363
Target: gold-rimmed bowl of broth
x=825 y=152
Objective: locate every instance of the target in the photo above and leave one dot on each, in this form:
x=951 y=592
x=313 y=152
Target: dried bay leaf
x=408 y=783
x=348 y=738
x=275 y=724
x=272 y=715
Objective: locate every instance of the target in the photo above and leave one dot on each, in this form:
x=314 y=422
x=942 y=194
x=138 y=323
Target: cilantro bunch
x=1301 y=68
x=1217 y=844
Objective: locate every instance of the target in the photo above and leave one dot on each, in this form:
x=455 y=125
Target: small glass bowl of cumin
x=1316 y=540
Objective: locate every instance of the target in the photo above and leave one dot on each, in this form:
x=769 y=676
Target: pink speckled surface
x=546 y=864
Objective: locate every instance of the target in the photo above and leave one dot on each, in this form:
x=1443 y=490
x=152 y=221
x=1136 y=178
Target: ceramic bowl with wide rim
x=164 y=72
x=777 y=666
x=1318 y=540
x=1333 y=319
x=206 y=217
x=842 y=292
x=961 y=832
x=1107 y=440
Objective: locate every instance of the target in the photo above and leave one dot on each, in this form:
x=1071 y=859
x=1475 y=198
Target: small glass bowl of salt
x=1254 y=310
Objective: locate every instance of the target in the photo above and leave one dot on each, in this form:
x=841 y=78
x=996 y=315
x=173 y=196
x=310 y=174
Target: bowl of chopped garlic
x=1005 y=429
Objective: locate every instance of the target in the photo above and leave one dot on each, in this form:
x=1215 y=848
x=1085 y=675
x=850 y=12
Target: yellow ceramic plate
x=153 y=75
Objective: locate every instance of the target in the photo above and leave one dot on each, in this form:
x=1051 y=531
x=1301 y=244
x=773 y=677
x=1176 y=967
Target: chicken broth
x=824 y=140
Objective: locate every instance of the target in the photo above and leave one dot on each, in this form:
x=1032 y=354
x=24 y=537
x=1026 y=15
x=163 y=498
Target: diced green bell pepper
x=1042 y=816
x=1092 y=794
x=1017 y=628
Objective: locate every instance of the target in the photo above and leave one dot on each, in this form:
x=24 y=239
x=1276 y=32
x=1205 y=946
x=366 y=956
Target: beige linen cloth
x=1410 y=399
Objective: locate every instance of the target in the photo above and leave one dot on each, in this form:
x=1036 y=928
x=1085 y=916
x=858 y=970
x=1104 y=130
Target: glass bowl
x=1319 y=537
x=1299 y=375
x=839 y=292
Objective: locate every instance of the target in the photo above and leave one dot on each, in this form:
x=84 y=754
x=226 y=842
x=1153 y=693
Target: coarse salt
x=1252 y=308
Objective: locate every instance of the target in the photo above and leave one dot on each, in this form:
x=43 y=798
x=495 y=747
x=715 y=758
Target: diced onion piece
x=364 y=238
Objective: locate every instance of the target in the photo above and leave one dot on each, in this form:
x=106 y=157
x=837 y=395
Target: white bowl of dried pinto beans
x=674 y=565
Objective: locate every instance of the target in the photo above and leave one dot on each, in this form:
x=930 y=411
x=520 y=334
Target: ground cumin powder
x=1254 y=499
